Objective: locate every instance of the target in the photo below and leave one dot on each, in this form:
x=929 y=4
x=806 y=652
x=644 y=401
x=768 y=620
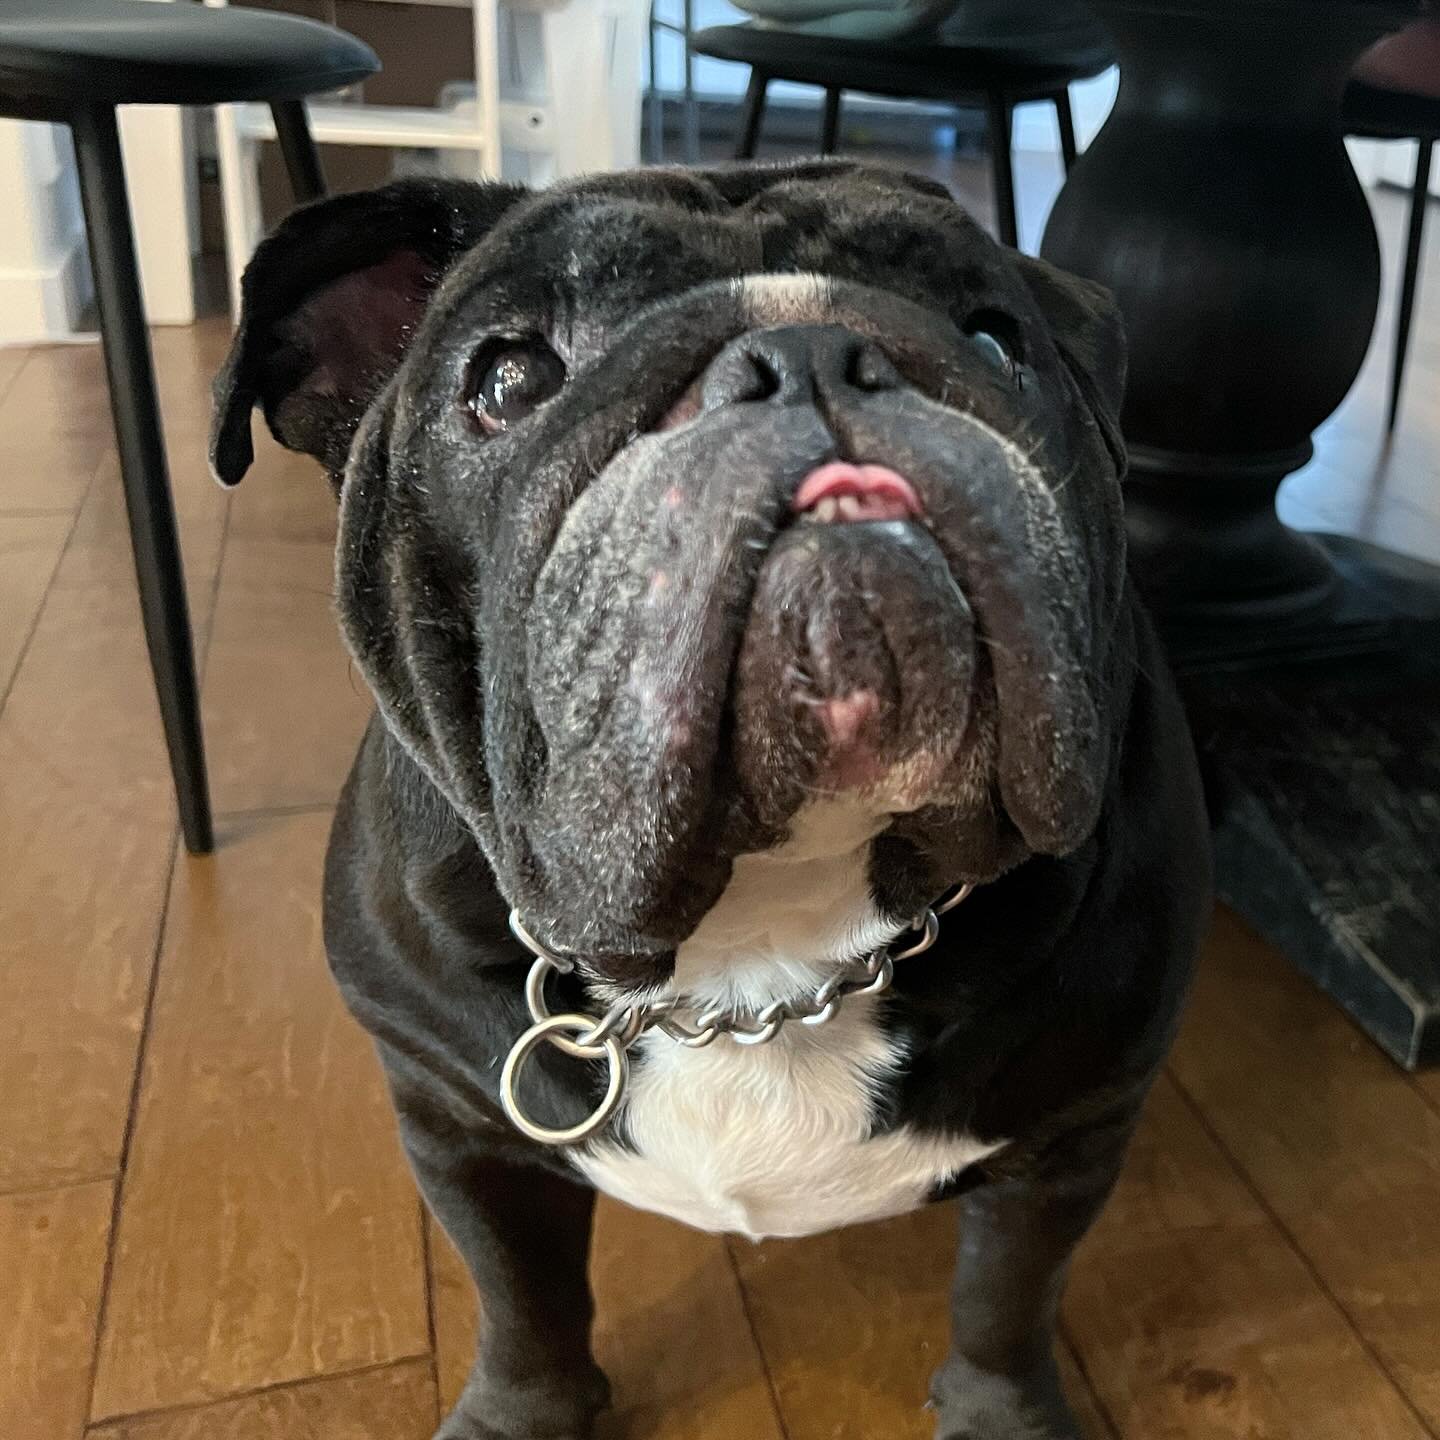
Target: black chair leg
x=1065 y=118
x=830 y=122
x=136 y=411
x=1002 y=167
x=1414 y=251
x=751 y=116
x=692 y=110
x=655 y=118
x=297 y=145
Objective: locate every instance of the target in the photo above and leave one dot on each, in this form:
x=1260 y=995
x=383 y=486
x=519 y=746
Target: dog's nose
x=796 y=365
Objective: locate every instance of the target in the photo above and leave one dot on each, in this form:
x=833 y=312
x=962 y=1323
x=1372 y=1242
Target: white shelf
x=522 y=126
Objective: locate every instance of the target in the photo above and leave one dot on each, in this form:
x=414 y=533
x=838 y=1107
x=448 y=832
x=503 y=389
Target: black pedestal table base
x=1219 y=205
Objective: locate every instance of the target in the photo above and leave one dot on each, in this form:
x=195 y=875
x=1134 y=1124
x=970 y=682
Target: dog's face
x=673 y=501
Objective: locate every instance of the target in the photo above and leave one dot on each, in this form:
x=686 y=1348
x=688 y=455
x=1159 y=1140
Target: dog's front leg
x=524 y=1233
x=1000 y=1381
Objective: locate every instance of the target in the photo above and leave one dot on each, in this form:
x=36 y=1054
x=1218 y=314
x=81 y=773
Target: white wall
x=44 y=268
x=44 y=277
x=1392 y=161
x=1090 y=100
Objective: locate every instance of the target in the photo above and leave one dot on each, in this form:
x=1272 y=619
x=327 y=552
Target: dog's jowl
x=738 y=563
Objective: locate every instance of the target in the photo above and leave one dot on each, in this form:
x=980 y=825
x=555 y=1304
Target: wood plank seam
x=16 y=373
x=1098 y=1401
x=775 y=1405
x=111 y=1422
x=1278 y=1224
x=432 y=1325
x=1431 y=1102
x=7 y=682
x=132 y=1112
x=152 y=989
x=273 y=812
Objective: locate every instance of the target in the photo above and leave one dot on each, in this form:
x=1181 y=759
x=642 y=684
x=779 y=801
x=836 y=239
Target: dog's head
x=671 y=501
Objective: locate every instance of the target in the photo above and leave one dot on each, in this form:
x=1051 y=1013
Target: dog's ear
x=329 y=304
x=1089 y=333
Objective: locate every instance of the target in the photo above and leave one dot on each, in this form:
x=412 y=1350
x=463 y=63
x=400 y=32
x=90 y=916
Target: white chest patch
x=776 y=1140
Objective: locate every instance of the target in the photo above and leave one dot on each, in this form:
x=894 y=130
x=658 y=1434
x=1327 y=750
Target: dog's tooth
x=852 y=507
x=827 y=509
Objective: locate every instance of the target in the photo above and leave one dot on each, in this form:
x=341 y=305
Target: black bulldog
x=737 y=560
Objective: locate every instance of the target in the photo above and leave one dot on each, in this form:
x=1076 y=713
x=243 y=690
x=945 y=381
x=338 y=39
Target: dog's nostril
x=797 y=365
x=870 y=369
x=767 y=381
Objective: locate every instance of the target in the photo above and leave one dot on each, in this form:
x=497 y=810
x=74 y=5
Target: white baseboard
x=44 y=305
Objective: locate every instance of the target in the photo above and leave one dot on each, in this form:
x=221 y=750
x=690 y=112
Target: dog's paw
x=973 y=1404
x=539 y=1411
x=460 y=1427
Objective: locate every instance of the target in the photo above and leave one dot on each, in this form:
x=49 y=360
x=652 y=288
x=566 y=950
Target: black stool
x=72 y=62
x=994 y=54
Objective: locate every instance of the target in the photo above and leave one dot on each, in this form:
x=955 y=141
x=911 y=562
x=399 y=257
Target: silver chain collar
x=611 y=1036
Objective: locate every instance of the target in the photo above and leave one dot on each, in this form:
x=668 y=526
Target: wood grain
x=86 y=832
x=277 y=636
x=670 y=1332
x=1344 y=1152
x=12 y=361
x=52 y=1257
x=853 y=1324
x=456 y=1311
x=1194 y=1316
x=30 y=547
x=394 y=1402
x=99 y=554
x=284 y=706
x=54 y=428
x=269 y=1229
x=1094 y=1422
x=284 y=497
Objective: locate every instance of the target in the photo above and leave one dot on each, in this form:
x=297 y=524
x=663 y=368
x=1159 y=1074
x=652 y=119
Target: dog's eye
x=997 y=337
x=509 y=378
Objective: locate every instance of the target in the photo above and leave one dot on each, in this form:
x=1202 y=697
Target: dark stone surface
x=1326 y=790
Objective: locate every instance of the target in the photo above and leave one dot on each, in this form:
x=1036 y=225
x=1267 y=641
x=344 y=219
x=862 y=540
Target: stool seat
x=951 y=63
x=57 y=53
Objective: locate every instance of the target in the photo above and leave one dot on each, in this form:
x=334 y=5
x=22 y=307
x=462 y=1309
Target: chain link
x=610 y=1036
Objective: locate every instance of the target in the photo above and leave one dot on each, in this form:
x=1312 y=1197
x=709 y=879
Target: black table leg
x=136 y=412
x=297 y=145
x=1065 y=119
x=1002 y=166
x=1219 y=204
x=691 y=119
x=1414 y=252
x=830 y=122
x=752 y=115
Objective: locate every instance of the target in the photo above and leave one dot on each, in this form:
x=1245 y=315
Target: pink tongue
x=861 y=492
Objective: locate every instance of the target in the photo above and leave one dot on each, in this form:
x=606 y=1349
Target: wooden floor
x=206 y=1227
